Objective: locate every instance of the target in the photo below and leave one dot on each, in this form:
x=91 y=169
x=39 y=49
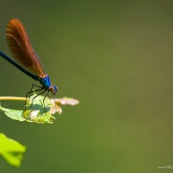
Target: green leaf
x=11 y=150
x=40 y=109
x=35 y=110
x=13 y=114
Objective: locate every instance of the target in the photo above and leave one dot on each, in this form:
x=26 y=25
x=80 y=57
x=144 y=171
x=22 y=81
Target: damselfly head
x=53 y=89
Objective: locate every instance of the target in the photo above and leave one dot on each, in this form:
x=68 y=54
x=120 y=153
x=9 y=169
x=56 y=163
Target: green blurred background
x=116 y=57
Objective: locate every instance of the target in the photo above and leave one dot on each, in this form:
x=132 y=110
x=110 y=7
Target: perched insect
x=26 y=59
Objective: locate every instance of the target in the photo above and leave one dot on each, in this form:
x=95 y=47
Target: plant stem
x=12 y=98
x=62 y=101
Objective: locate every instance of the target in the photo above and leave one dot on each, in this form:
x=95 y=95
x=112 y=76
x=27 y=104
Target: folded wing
x=21 y=48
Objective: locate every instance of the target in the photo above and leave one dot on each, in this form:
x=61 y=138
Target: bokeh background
x=116 y=57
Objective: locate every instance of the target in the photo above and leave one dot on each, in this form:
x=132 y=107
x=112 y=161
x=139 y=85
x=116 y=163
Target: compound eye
x=55 y=89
